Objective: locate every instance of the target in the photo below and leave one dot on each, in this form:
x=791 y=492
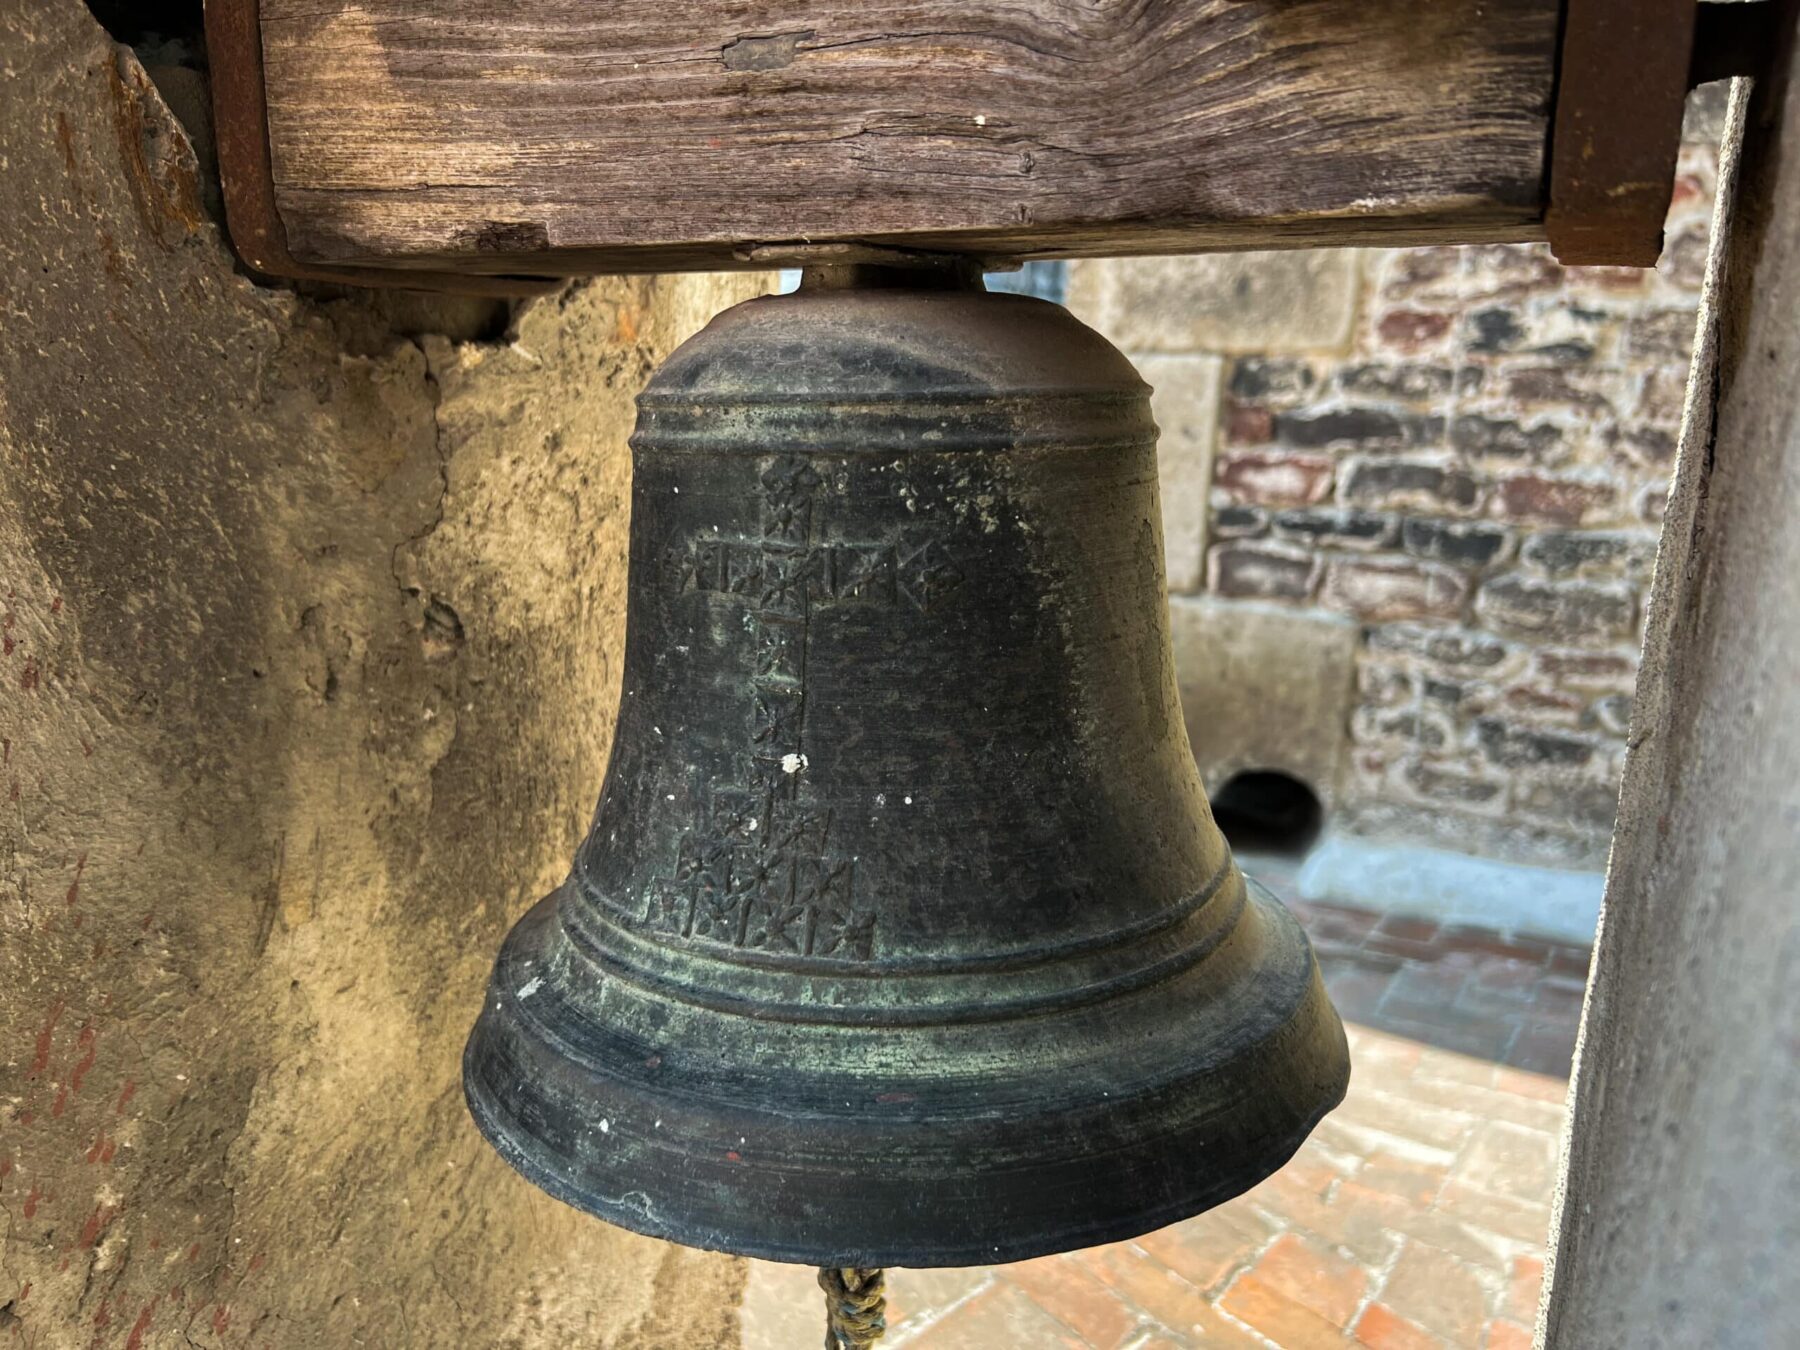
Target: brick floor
x=1413 y=1219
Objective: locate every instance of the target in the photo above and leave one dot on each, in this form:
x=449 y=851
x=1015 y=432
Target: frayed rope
x=855 y=1307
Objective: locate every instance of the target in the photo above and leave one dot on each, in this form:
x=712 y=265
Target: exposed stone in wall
x=1466 y=451
x=1301 y=300
x=1265 y=687
x=311 y=616
x=1185 y=403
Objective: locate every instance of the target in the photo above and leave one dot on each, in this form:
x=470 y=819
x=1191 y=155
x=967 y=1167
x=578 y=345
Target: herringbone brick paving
x=1415 y=1217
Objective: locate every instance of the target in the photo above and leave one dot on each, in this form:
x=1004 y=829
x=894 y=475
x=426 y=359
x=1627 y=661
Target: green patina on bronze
x=903 y=934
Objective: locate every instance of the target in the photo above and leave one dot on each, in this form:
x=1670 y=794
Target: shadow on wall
x=137 y=21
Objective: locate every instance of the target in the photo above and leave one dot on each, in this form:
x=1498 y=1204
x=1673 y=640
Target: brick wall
x=1465 y=451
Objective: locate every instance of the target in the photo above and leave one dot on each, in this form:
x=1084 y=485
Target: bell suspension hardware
x=903 y=935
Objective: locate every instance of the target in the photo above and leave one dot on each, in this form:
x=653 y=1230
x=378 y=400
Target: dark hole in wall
x=1264 y=811
x=140 y=22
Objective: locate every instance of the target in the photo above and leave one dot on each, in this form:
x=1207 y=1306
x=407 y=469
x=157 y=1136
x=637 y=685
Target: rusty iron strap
x=1620 y=91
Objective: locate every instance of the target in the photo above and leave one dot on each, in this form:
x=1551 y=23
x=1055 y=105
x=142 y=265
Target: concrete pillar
x=1680 y=1205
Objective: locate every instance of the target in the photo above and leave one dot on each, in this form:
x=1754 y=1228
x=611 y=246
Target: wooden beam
x=562 y=135
x=240 y=129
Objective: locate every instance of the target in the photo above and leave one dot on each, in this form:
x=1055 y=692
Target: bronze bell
x=903 y=934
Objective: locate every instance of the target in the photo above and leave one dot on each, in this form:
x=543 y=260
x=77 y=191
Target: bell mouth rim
x=1067 y=1166
x=638 y=1215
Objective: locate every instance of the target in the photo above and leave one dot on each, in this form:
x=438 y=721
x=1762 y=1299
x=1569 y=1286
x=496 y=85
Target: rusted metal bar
x=1620 y=91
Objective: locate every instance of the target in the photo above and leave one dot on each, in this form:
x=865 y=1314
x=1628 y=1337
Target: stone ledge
x=1429 y=883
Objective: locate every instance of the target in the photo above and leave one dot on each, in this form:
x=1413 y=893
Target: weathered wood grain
x=500 y=134
x=240 y=128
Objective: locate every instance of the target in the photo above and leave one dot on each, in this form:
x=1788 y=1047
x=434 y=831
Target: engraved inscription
x=759 y=871
x=784 y=579
x=761 y=874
